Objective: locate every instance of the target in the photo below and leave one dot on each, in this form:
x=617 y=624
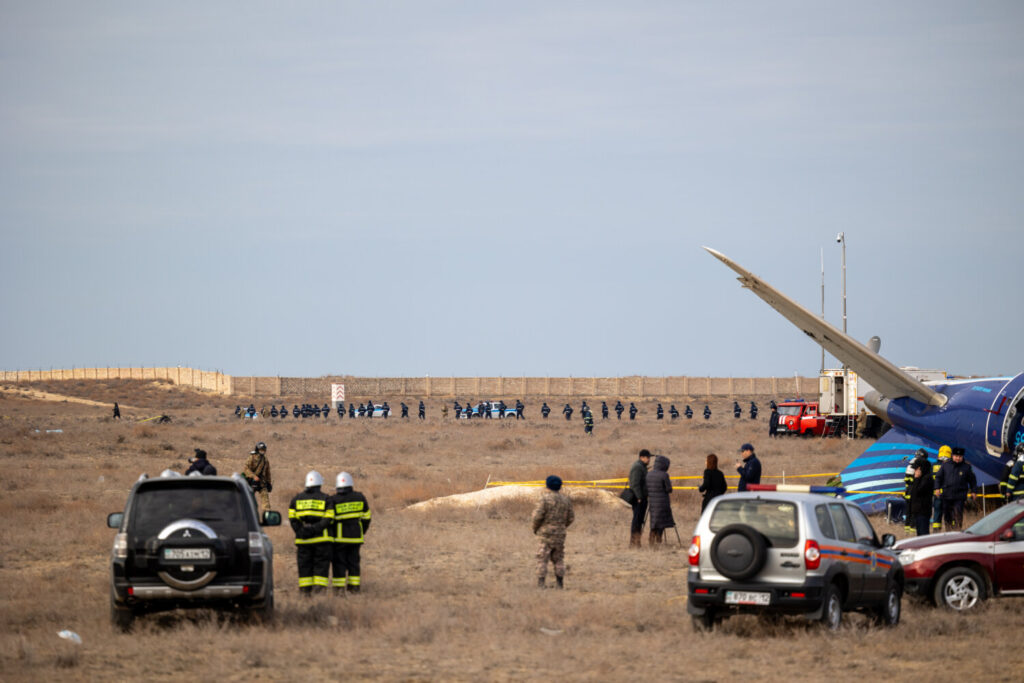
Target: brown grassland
x=447 y=594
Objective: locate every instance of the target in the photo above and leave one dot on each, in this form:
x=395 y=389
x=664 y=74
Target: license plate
x=187 y=553
x=747 y=598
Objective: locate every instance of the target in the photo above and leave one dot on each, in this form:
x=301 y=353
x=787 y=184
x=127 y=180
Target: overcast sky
x=507 y=188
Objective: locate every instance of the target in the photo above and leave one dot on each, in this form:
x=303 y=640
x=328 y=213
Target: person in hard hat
x=351 y=521
x=257 y=473
x=552 y=516
x=588 y=422
x=945 y=453
x=311 y=519
x=1015 y=482
x=908 y=481
x=956 y=480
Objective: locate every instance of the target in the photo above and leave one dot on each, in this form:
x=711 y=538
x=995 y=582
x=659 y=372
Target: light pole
x=841 y=239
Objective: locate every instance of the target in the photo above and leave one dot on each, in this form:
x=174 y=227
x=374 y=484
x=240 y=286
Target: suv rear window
x=219 y=504
x=776 y=519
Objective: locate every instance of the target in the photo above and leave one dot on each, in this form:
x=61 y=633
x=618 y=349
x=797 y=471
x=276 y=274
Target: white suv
x=790 y=553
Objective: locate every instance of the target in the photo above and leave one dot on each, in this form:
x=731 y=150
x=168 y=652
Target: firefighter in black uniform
x=604 y=410
x=584 y=409
x=405 y=410
x=736 y=410
x=341 y=410
x=423 y=411
x=545 y=410
x=351 y=514
x=707 y=412
x=753 y=410
x=326 y=410
x=351 y=410
x=632 y=411
x=311 y=520
x=661 y=412
x=519 y=410
x=567 y=411
x=673 y=412
x=283 y=411
x=618 y=410
x=588 y=422
x=688 y=412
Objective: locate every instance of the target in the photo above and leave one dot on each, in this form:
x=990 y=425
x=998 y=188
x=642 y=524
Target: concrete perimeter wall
x=475 y=388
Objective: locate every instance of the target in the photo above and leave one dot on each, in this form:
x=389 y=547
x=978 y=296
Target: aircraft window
x=844 y=530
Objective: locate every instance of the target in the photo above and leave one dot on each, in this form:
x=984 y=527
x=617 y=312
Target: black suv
x=191 y=542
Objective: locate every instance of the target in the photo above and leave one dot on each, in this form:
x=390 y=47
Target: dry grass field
x=447 y=594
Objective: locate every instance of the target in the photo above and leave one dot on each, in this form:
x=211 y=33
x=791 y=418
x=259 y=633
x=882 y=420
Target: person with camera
x=257 y=473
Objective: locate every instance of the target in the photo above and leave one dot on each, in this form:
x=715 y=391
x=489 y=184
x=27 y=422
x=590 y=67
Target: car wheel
x=888 y=613
x=832 y=608
x=959 y=589
x=738 y=551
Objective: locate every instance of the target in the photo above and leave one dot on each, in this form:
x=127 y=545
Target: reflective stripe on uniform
x=338 y=583
x=316 y=539
x=305 y=581
x=320 y=581
x=353 y=580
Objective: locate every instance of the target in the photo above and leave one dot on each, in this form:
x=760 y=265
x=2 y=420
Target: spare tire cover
x=188 y=575
x=738 y=551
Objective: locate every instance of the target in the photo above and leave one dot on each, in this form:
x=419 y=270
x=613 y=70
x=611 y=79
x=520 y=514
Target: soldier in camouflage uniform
x=257 y=473
x=551 y=517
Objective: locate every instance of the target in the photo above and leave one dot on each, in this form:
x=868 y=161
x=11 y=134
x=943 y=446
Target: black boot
x=558 y=582
x=540 y=583
x=352 y=589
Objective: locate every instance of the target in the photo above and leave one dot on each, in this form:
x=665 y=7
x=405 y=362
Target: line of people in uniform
x=481 y=409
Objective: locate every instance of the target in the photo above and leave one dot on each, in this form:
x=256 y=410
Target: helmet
x=921 y=453
x=313 y=478
x=260 y=448
x=344 y=479
x=945 y=452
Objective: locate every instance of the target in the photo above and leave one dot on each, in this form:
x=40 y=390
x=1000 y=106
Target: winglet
x=885 y=377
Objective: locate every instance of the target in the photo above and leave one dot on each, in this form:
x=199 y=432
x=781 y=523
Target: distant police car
x=792 y=553
x=191 y=541
x=492 y=407
x=959 y=570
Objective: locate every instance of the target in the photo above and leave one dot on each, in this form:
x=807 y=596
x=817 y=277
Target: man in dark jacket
x=632 y=411
x=749 y=467
x=545 y=410
x=351 y=521
x=618 y=410
x=659 y=486
x=604 y=410
x=773 y=422
x=919 y=505
x=200 y=464
x=956 y=479
x=736 y=410
x=637 y=496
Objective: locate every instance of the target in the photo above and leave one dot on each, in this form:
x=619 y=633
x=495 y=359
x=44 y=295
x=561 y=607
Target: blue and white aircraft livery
x=985 y=416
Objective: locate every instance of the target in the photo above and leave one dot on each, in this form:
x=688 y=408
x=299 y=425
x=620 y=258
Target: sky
x=507 y=188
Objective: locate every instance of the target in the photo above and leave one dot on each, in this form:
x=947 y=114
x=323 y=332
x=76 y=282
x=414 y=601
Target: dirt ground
x=448 y=594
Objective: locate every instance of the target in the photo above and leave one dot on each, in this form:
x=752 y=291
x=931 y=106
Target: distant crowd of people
x=485 y=410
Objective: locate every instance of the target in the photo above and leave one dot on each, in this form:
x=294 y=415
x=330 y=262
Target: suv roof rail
x=170 y=473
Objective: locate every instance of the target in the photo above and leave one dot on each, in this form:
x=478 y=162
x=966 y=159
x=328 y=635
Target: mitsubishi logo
x=186 y=534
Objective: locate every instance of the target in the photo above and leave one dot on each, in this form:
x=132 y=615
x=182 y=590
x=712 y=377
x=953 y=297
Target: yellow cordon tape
x=621 y=481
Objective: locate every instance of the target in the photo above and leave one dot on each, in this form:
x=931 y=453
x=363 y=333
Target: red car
x=959 y=569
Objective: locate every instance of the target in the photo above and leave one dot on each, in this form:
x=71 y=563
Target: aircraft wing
x=885 y=377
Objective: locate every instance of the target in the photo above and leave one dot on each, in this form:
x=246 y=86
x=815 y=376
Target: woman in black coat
x=714 y=481
x=658 y=489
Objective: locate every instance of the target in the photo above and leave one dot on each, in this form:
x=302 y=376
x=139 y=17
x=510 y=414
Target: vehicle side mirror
x=1008 y=535
x=888 y=541
x=271 y=518
x=114 y=520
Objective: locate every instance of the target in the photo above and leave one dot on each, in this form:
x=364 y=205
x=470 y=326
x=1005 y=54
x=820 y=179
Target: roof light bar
x=796 y=488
